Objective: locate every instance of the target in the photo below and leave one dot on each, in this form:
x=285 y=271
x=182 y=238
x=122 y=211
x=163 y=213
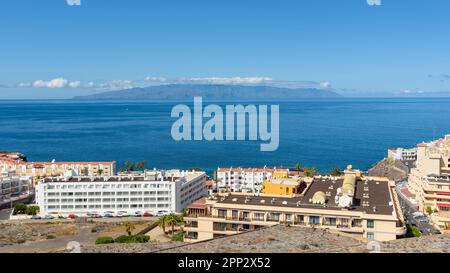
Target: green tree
x=32 y=210
x=129 y=166
x=335 y=172
x=141 y=165
x=129 y=227
x=429 y=211
x=19 y=208
x=162 y=222
x=298 y=167
x=172 y=221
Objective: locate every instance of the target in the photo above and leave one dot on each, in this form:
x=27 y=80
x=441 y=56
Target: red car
x=147 y=214
x=72 y=216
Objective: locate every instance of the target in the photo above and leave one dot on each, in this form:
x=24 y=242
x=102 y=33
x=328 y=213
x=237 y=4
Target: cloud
x=53 y=84
x=156 y=79
x=374 y=2
x=232 y=80
x=112 y=85
x=325 y=85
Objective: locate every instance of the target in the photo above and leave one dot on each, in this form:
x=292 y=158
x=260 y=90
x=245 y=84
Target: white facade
x=244 y=179
x=152 y=191
x=404 y=154
x=13 y=186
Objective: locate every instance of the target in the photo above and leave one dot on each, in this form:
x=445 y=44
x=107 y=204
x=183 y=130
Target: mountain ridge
x=210 y=91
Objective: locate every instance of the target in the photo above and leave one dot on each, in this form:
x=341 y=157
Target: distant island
x=211 y=92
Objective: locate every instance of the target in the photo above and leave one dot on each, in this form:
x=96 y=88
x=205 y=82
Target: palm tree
x=172 y=220
x=335 y=172
x=141 y=165
x=162 y=221
x=100 y=172
x=298 y=167
x=129 y=227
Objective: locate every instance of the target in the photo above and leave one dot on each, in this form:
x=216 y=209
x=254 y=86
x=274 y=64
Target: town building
x=363 y=206
x=403 y=154
x=14 y=188
x=288 y=186
x=246 y=179
x=43 y=169
x=152 y=191
x=429 y=182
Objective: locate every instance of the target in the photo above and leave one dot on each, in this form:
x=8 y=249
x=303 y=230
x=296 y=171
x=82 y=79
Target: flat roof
x=368 y=194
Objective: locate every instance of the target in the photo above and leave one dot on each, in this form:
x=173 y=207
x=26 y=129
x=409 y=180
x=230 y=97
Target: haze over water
x=320 y=133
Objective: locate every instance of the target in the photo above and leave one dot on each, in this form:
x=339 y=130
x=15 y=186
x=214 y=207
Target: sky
x=50 y=49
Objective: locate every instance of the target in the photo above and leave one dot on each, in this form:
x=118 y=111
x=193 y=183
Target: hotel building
x=43 y=169
x=363 y=206
x=245 y=179
x=151 y=191
x=13 y=188
x=430 y=181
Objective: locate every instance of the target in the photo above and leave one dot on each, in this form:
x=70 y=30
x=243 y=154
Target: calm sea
x=324 y=134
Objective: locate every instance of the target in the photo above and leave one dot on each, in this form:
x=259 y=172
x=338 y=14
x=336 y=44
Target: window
x=330 y=221
x=370 y=235
x=314 y=220
x=370 y=223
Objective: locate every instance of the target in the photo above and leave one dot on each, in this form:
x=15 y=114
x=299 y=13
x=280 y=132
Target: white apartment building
x=151 y=191
x=403 y=154
x=245 y=179
x=13 y=187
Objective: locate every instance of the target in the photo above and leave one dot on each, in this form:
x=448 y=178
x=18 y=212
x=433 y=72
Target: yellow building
x=368 y=207
x=283 y=186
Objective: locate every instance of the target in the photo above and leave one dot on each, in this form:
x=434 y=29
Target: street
x=425 y=227
x=4 y=214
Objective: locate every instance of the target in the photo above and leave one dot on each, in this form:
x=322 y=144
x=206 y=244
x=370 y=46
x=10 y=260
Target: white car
x=162 y=212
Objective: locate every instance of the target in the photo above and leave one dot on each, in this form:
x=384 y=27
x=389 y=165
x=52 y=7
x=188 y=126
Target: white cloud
x=325 y=85
x=155 y=79
x=374 y=2
x=232 y=80
x=23 y=84
x=112 y=85
x=75 y=84
x=54 y=84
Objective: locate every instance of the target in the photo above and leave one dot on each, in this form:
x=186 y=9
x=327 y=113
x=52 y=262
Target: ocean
x=316 y=133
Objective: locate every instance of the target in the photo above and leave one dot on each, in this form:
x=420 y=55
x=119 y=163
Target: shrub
x=124 y=239
x=178 y=237
x=413 y=231
x=19 y=208
x=32 y=210
x=104 y=240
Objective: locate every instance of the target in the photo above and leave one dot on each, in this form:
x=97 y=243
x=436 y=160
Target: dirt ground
x=57 y=236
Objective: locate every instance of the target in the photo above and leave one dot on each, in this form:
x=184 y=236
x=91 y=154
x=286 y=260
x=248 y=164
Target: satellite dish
x=344 y=201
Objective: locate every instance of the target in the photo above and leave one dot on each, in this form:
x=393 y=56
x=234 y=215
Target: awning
x=443 y=205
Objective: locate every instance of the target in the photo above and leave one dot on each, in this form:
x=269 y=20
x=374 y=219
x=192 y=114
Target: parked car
x=147 y=214
x=108 y=215
x=138 y=214
x=123 y=214
x=72 y=216
x=49 y=217
x=161 y=213
x=36 y=217
x=93 y=214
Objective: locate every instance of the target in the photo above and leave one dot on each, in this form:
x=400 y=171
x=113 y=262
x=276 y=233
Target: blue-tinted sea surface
x=320 y=133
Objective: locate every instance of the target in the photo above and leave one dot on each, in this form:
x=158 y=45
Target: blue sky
x=400 y=47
